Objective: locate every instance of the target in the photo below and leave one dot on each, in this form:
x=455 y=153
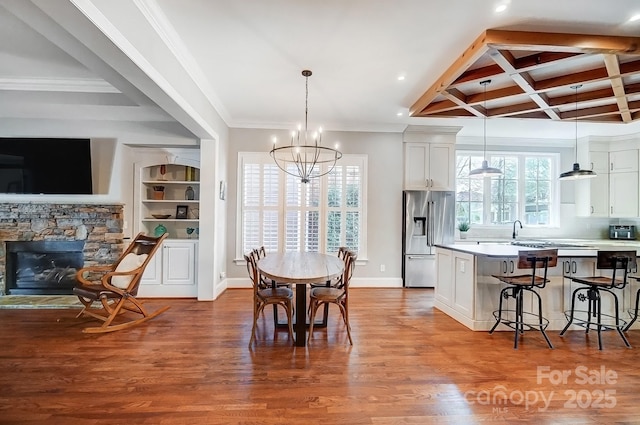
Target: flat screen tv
x=45 y=166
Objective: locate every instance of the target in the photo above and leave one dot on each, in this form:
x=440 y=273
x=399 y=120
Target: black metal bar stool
x=538 y=261
x=634 y=313
x=619 y=262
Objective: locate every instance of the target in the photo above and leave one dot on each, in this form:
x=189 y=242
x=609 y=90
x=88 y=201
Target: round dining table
x=301 y=269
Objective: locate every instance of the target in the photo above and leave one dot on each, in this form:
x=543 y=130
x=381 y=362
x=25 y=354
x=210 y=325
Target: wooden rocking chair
x=116 y=286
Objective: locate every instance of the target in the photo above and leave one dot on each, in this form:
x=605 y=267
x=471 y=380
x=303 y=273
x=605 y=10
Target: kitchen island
x=466 y=290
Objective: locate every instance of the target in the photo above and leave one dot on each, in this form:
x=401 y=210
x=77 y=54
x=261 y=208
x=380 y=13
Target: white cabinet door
x=576 y=267
x=172 y=271
x=599 y=195
x=599 y=162
x=488 y=288
x=416 y=161
x=623 y=161
x=592 y=196
x=623 y=194
x=444 y=280
x=552 y=295
x=153 y=273
x=178 y=263
x=441 y=166
x=429 y=166
x=464 y=290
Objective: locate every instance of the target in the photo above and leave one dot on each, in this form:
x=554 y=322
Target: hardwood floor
x=410 y=364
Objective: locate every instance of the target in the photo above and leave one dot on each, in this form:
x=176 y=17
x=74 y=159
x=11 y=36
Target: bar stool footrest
x=593 y=324
x=512 y=323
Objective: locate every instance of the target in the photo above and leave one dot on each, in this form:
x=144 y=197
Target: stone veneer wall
x=100 y=226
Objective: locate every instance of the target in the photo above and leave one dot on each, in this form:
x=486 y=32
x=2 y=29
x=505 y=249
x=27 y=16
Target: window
x=524 y=191
x=283 y=214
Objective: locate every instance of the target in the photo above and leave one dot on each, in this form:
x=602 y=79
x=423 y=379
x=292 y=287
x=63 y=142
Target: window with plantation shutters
x=283 y=214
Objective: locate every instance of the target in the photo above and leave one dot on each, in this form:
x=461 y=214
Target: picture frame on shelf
x=182 y=212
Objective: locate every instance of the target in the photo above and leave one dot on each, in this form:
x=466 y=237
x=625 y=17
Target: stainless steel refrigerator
x=428 y=219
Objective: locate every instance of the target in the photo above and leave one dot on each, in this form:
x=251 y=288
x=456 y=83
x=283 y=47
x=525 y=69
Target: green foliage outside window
x=524 y=190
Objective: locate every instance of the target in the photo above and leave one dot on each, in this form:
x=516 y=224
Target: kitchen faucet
x=513 y=236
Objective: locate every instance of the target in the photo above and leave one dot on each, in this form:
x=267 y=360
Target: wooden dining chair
x=338 y=295
x=342 y=254
x=115 y=286
x=264 y=296
x=265 y=282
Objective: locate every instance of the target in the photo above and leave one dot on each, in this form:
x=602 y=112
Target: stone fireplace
x=61 y=238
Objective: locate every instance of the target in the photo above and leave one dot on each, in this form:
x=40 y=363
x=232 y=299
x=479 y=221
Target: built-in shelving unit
x=181 y=213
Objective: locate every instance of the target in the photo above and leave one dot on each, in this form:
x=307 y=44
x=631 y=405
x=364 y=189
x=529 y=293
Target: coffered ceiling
x=168 y=67
x=535 y=75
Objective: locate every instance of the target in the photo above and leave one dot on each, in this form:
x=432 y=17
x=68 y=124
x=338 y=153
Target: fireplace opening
x=43 y=267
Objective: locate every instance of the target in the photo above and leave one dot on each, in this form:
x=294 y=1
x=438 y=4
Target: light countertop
x=505 y=249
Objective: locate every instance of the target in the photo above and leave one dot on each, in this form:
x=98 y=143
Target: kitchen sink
x=548 y=244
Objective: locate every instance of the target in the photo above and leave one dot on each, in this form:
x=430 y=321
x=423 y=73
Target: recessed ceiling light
x=401 y=77
x=399 y=114
x=634 y=18
x=501 y=8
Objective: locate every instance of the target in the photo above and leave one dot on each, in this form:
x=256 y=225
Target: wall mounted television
x=45 y=166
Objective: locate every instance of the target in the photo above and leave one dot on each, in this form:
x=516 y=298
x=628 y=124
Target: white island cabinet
x=455 y=286
x=467 y=290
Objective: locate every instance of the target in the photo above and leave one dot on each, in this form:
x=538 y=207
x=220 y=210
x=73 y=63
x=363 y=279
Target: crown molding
x=79 y=85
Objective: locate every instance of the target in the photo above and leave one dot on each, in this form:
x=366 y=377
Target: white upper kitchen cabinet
x=623 y=195
x=623 y=161
x=592 y=195
x=429 y=158
x=614 y=191
x=623 y=183
x=599 y=162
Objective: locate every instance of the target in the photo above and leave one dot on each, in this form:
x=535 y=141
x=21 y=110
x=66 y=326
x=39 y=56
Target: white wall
x=384 y=196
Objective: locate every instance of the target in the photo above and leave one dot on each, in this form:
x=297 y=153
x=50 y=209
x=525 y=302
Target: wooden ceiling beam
x=629 y=68
x=582 y=97
x=542 y=59
x=562 y=42
x=506 y=61
x=444 y=105
x=632 y=89
x=451 y=113
x=506 y=111
x=535 y=115
x=503 y=93
x=635 y=105
x=590 y=76
x=557 y=51
x=464 y=61
x=613 y=68
x=477 y=75
x=457 y=97
x=590 y=112
x=611 y=118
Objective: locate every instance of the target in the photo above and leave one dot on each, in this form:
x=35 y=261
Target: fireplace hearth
x=42 y=267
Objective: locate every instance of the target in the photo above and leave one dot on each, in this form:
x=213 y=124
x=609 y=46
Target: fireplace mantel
x=98 y=225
